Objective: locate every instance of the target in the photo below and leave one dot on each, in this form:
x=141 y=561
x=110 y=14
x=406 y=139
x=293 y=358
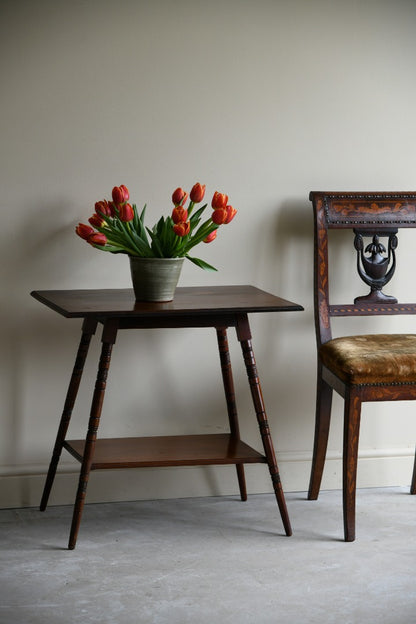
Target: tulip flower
x=219 y=200
x=96 y=221
x=97 y=239
x=103 y=207
x=126 y=212
x=210 y=237
x=197 y=193
x=125 y=192
x=179 y=196
x=231 y=212
x=179 y=214
x=120 y=194
x=182 y=229
x=84 y=231
x=219 y=216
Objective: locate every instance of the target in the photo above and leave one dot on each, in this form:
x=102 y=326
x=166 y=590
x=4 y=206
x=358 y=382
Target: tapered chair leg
x=413 y=485
x=322 y=423
x=352 y=417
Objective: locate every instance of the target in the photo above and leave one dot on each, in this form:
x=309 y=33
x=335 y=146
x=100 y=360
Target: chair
x=375 y=367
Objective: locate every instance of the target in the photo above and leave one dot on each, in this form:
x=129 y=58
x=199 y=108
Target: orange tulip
x=231 y=212
x=182 y=229
x=210 y=237
x=179 y=196
x=219 y=216
x=197 y=193
x=219 y=200
x=179 y=214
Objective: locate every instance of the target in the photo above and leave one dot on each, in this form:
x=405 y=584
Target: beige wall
x=264 y=100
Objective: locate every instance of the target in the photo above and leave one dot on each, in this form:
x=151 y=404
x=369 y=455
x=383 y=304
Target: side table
x=219 y=307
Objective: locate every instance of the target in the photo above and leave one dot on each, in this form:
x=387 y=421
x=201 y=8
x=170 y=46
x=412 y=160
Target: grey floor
x=194 y=561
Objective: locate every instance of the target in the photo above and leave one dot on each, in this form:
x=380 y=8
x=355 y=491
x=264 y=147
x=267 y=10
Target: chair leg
x=413 y=485
x=322 y=422
x=352 y=416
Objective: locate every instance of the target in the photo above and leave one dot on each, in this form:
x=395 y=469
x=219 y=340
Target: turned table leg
x=228 y=381
x=108 y=340
x=244 y=337
x=88 y=329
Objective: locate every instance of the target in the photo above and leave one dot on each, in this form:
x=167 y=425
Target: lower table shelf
x=182 y=450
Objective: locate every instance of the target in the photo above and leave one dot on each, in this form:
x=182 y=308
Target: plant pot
x=155 y=279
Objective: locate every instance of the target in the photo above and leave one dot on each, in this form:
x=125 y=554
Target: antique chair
x=372 y=367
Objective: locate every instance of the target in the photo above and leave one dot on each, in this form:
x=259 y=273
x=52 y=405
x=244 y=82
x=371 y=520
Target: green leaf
x=201 y=264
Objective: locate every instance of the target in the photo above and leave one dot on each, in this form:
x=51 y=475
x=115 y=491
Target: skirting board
x=22 y=486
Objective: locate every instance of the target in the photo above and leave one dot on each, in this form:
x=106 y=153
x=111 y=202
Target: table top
x=198 y=300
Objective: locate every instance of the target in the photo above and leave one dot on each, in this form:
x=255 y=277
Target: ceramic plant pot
x=155 y=279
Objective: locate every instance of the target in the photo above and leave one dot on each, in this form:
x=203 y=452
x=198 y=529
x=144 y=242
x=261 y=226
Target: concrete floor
x=194 y=561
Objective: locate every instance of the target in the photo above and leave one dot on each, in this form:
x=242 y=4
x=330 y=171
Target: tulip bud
x=96 y=221
x=118 y=195
x=219 y=200
x=97 y=239
x=125 y=212
x=210 y=237
x=103 y=207
x=179 y=214
x=182 y=229
x=197 y=193
x=179 y=196
x=231 y=212
x=125 y=192
x=219 y=216
x=84 y=231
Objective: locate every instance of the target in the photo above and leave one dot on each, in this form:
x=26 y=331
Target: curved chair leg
x=352 y=416
x=322 y=422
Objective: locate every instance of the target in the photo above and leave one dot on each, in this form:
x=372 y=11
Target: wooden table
x=219 y=307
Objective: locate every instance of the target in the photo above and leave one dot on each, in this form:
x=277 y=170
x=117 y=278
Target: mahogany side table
x=219 y=307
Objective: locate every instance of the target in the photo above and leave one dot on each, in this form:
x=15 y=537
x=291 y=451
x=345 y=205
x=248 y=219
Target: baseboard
x=22 y=486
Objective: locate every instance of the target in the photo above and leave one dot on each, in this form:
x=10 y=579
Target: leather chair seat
x=372 y=359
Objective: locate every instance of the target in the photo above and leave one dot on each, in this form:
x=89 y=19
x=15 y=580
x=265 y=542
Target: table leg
x=108 y=340
x=227 y=377
x=88 y=329
x=244 y=337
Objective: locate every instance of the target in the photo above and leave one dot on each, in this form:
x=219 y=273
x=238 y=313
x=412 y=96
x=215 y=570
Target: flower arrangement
x=117 y=227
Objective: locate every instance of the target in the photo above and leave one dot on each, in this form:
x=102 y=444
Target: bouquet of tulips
x=117 y=227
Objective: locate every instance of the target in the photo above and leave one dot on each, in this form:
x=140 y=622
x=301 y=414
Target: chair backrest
x=375 y=219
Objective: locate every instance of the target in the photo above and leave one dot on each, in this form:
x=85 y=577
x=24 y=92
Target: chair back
x=374 y=219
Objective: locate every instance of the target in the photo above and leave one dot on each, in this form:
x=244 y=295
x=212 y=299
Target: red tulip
x=231 y=212
x=125 y=192
x=179 y=214
x=96 y=220
x=219 y=200
x=182 y=229
x=219 y=216
x=97 y=239
x=197 y=193
x=118 y=194
x=104 y=207
x=84 y=231
x=126 y=212
x=179 y=196
x=210 y=237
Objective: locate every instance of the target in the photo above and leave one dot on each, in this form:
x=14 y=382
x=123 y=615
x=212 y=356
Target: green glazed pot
x=155 y=279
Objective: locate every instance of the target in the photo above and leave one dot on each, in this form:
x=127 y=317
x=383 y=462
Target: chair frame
x=368 y=214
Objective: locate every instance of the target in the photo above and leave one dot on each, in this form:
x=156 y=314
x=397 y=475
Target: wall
x=263 y=100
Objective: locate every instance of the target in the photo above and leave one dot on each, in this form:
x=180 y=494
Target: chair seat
x=372 y=359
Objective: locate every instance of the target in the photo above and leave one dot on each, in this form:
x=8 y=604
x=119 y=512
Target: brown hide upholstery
x=372 y=359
